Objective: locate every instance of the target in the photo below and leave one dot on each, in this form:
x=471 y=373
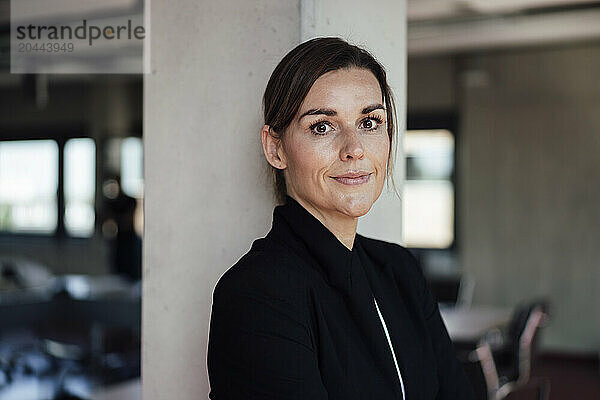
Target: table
x=468 y=324
x=130 y=390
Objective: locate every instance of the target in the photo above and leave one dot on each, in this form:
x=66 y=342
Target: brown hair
x=295 y=74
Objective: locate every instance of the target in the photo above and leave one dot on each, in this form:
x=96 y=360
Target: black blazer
x=295 y=318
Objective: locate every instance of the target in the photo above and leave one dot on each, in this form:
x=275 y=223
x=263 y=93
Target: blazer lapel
x=362 y=307
x=406 y=339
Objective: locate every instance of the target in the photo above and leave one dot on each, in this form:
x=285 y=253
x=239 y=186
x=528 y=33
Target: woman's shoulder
x=405 y=266
x=382 y=244
x=388 y=251
x=263 y=270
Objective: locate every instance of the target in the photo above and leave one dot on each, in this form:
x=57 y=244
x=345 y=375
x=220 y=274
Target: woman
x=315 y=310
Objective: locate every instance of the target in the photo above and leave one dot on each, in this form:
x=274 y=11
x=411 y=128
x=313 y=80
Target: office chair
x=535 y=389
x=482 y=368
x=515 y=355
x=465 y=291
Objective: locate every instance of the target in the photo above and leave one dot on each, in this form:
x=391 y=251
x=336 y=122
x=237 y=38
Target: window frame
x=439 y=120
x=67 y=133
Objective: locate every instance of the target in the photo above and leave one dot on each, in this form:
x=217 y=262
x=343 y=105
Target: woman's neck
x=342 y=226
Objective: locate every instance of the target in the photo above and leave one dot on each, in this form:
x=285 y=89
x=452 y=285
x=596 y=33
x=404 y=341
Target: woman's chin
x=356 y=205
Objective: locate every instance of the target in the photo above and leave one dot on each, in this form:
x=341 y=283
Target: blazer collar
x=296 y=227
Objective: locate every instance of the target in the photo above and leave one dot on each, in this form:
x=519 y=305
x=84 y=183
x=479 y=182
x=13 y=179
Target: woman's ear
x=271 y=147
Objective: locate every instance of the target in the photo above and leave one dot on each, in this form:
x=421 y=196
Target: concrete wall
x=530 y=177
x=207 y=187
x=528 y=173
x=431 y=84
x=207 y=194
x=384 y=38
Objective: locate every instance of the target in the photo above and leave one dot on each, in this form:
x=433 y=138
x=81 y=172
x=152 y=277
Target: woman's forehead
x=344 y=89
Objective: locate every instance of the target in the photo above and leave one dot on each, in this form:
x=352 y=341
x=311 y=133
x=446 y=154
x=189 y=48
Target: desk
x=468 y=324
x=130 y=390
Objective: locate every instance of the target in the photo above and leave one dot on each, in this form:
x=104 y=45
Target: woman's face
x=335 y=151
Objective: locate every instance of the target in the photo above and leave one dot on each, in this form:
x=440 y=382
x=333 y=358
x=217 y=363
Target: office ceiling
x=442 y=26
x=420 y=10
x=458 y=26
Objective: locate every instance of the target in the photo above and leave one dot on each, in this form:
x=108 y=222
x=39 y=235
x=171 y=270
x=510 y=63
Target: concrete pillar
x=207 y=195
x=379 y=27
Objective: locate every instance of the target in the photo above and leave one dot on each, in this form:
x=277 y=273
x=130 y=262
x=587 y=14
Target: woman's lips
x=352 y=180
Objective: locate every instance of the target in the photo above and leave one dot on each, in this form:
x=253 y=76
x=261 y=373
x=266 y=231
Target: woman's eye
x=371 y=123
x=320 y=128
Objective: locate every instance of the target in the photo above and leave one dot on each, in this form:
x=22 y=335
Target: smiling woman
x=315 y=310
x=334 y=156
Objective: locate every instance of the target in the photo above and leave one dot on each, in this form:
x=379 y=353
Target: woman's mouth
x=353 y=178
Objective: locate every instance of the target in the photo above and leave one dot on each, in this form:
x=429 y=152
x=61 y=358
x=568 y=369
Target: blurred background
x=501 y=201
x=501 y=204
x=71 y=222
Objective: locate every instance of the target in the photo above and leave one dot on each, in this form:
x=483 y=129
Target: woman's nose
x=352 y=147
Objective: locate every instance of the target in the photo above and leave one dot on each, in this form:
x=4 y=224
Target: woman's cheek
x=380 y=148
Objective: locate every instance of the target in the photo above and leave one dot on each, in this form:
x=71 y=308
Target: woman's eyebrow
x=330 y=112
x=373 y=107
x=318 y=111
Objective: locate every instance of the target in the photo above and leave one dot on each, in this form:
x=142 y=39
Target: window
x=28 y=186
x=30 y=180
x=132 y=163
x=125 y=157
x=428 y=194
x=80 y=181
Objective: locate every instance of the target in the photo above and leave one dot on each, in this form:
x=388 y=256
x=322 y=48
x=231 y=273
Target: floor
x=570 y=377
